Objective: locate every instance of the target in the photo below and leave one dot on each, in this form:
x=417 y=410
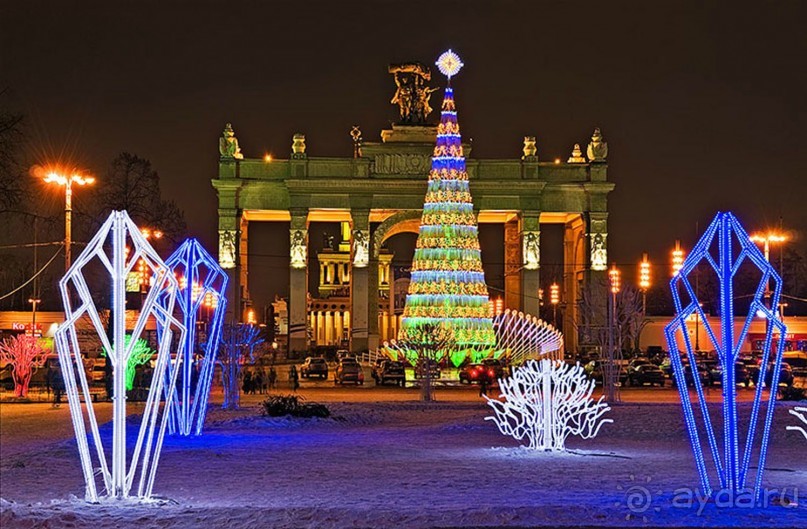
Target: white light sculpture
x=545 y=402
x=801 y=413
x=520 y=336
x=108 y=252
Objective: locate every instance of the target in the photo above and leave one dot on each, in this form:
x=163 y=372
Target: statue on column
x=531 y=248
x=227 y=249
x=598 y=148
x=599 y=252
x=299 y=250
x=228 y=144
x=361 y=248
x=412 y=95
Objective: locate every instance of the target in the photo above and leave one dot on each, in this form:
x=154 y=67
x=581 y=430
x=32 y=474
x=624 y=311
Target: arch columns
x=298 y=280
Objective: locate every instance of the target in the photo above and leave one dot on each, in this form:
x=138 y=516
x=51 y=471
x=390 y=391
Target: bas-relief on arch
x=402 y=222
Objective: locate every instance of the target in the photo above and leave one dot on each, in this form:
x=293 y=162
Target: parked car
x=703 y=375
x=348 y=370
x=594 y=369
x=389 y=370
x=433 y=367
x=641 y=372
x=797 y=361
x=741 y=375
x=497 y=365
x=785 y=374
x=476 y=373
x=314 y=366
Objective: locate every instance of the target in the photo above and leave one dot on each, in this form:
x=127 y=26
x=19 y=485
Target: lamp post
x=67 y=180
x=34 y=302
x=615 y=284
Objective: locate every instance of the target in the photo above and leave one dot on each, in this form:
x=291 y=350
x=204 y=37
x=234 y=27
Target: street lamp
x=644 y=280
x=554 y=299
x=766 y=239
x=34 y=302
x=677 y=258
x=67 y=180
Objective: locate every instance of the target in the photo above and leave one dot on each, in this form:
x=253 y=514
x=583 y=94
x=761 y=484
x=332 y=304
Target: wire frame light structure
x=202 y=289
x=725 y=247
x=520 y=336
x=122 y=471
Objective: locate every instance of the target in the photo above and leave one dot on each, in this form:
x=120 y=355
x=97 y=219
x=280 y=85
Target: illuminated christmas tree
x=447 y=285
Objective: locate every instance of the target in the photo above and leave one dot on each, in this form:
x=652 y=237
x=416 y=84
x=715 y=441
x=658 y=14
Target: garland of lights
x=447 y=286
x=733 y=463
x=109 y=248
x=202 y=284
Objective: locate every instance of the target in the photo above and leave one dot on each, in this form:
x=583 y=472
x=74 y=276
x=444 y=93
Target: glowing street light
x=644 y=280
x=615 y=279
x=554 y=299
x=677 y=258
x=767 y=239
x=149 y=233
x=67 y=180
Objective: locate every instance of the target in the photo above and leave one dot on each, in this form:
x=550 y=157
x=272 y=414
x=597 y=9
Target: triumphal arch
x=379 y=191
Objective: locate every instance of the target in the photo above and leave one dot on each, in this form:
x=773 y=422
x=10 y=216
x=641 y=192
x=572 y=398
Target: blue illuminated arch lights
x=202 y=288
x=731 y=463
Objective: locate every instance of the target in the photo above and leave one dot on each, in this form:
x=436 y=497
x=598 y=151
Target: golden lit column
x=338 y=325
x=329 y=327
x=67 y=181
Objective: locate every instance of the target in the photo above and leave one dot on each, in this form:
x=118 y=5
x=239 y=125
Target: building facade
x=378 y=193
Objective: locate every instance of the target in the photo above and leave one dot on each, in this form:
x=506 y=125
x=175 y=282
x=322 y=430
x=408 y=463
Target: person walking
x=247 y=385
x=483 y=386
x=272 y=377
x=57 y=383
x=294 y=378
x=258 y=381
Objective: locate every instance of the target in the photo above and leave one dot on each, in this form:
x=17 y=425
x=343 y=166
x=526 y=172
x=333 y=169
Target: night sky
x=704 y=107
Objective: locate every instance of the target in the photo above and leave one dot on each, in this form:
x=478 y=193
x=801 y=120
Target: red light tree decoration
x=24 y=354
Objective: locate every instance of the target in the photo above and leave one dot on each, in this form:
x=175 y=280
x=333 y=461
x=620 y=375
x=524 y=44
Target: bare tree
x=132 y=184
x=237 y=347
x=11 y=137
x=427 y=346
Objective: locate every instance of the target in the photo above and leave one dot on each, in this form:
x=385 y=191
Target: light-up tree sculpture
x=116 y=466
x=141 y=353
x=447 y=285
x=545 y=402
x=24 y=354
x=238 y=343
x=203 y=285
x=801 y=414
x=726 y=248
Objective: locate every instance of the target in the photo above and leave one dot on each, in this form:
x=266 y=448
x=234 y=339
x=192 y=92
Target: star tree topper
x=449 y=64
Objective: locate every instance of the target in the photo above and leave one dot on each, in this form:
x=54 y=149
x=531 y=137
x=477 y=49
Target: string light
x=677 y=258
x=735 y=248
x=614 y=279
x=554 y=294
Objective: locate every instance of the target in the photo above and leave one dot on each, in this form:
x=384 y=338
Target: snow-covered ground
x=391 y=464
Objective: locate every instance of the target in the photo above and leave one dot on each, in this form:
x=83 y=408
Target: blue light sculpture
x=725 y=246
x=202 y=287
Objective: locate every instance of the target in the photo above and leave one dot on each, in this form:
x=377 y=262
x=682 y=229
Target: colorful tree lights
x=545 y=402
x=141 y=353
x=447 y=285
x=107 y=252
x=202 y=284
x=24 y=354
x=725 y=247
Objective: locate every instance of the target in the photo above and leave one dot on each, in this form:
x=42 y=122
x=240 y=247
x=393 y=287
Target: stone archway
x=407 y=221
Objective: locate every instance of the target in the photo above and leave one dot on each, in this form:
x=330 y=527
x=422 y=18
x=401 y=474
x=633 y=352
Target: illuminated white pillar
x=337 y=318
x=328 y=328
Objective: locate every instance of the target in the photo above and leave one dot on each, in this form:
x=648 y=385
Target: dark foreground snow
x=401 y=464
